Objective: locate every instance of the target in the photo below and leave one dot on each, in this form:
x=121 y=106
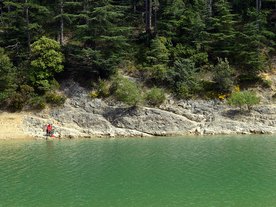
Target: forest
x=191 y=48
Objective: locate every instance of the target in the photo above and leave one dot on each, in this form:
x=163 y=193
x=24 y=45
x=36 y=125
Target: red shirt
x=49 y=127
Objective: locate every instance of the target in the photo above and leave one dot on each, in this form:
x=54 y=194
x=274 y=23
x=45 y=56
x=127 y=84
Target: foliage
x=222 y=33
x=184 y=92
x=48 y=86
x=222 y=76
x=7 y=74
x=129 y=92
x=47 y=59
x=41 y=105
x=240 y=99
x=101 y=88
x=35 y=100
x=155 y=96
x=158 y=53
x=93 y=95
x=55 y=99
x=251 y=99
x=181 y=52
x=20 y=98
x=267 y=83
x=182 y=79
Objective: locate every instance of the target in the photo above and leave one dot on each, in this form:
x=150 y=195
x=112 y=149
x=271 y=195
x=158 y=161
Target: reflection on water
x=169 y=171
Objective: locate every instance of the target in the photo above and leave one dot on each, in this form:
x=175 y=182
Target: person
x=49 y=129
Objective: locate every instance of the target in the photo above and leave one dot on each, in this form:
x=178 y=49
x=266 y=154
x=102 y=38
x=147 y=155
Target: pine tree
x=7 y=74
x=104 y=37
x=222 y=33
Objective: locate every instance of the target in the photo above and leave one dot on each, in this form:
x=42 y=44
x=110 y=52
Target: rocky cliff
x=84 y=117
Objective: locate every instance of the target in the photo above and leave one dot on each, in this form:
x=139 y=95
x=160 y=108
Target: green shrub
x=128 y=92
x=93 y=95
x=101 y=88
x=222 y=76
x=182 y=78
x=156 y=96
x=3 y=98
x=18 y=101
x=55 y=99
x=41 y=105
x=20 y=98
x=47 y=86
x=243 y=98
x=184 y=92
x=267 y=83
x=35 y=100
x=251 y=99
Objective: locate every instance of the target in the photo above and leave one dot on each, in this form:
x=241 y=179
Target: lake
x=160 y=171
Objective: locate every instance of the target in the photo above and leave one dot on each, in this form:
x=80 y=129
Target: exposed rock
x=152 y=121
x=85 y=117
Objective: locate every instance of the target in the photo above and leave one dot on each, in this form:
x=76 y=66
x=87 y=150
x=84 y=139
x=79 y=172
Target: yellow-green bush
x=156 y=96
x=41 y=105
x=55 y=99
x=240 y=99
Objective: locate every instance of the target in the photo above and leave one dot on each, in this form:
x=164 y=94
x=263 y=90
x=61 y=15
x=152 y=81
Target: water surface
x=164 y=171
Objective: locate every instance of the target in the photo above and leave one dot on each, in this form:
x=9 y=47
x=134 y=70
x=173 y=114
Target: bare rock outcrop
x=85 y=117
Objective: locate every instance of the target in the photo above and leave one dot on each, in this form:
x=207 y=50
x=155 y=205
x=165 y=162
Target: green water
x=171 y=171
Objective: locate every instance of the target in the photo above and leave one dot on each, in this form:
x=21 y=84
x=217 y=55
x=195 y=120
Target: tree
x=46 y=60
x=222 y=33
x=7 y=74
x=222 y=76
x=128 y=92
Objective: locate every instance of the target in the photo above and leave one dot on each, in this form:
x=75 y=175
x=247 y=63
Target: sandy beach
x=10 y=126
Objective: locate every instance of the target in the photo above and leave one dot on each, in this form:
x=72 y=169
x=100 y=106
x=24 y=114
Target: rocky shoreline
x=83 y=117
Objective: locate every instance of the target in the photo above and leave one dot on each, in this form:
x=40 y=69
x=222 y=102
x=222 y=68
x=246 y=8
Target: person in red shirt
x=49 y=129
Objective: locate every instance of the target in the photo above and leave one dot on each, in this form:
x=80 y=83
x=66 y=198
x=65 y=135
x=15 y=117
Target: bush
x=128 y=92
x=243 y=98
x=183 y=92
x=182 y=78
x=101 y=88
x=55 y=99
x=156 y=96
x=47 y=86
x=20 y=98
x=35 y=100
x=41 y=105
x=267 y=83
x=222 y=76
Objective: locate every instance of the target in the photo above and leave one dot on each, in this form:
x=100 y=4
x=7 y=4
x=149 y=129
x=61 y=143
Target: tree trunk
x=61 y=23
x=28 y=28
x=56 y=24
x=150 y=15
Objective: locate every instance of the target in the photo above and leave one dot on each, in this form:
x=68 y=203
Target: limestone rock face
x=82 y=116
x=152 y=121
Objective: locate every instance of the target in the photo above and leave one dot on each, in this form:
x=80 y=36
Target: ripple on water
x=170 y=171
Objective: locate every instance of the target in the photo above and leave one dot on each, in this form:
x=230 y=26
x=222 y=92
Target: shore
x=11 y=126
x=83 y=117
